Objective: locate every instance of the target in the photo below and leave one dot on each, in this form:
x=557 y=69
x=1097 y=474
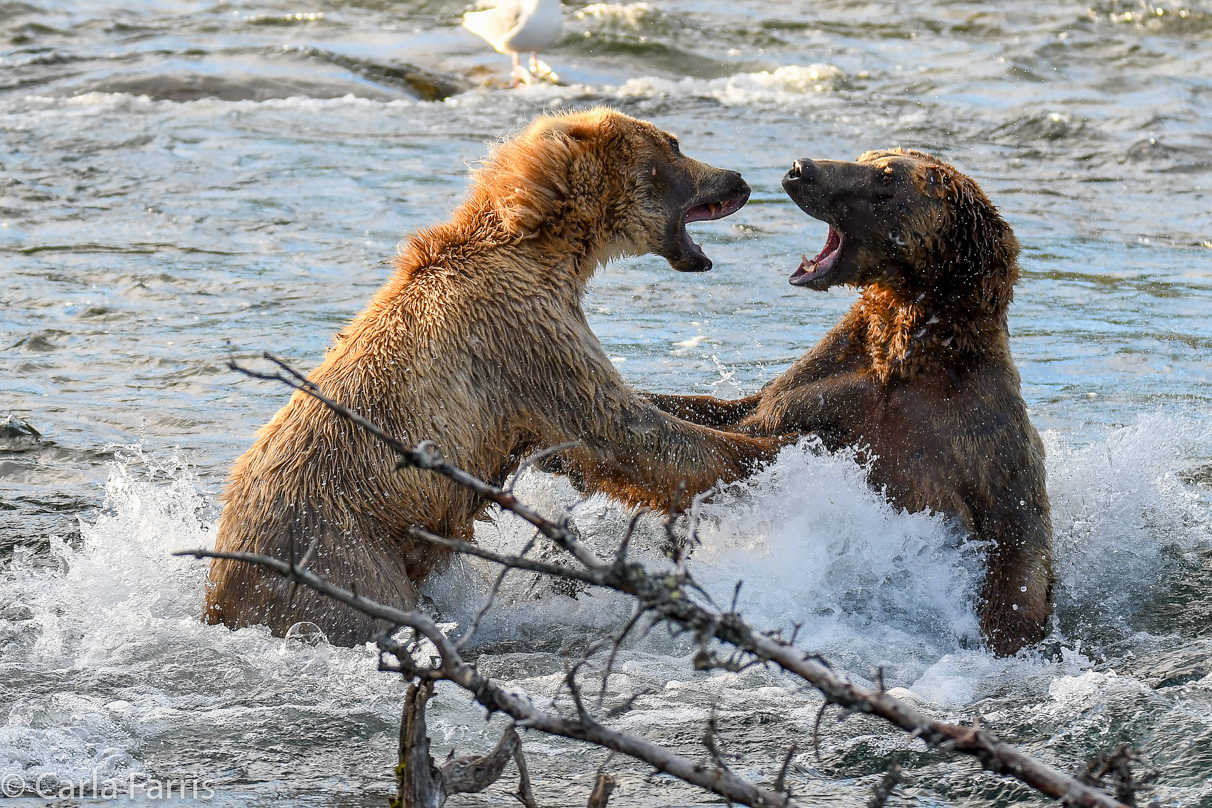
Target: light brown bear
x=919 y=375
x=478 y=342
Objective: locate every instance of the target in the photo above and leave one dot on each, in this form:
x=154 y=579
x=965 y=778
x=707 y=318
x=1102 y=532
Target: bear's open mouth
x=716 y=210
x=706 y=212
x=815 y=269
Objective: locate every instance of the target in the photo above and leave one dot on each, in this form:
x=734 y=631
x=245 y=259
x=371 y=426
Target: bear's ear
x=586 y=127
x=986 y=250
x=582 y=129
x=935 y=182
x=528 y=177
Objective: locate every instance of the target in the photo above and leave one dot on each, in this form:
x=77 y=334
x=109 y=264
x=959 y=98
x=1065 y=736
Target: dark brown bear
x=918 y=375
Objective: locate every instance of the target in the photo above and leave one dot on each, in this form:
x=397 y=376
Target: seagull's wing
x=495 y=24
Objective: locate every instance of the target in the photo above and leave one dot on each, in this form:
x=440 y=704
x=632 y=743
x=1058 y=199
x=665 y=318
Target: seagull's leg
x=519 y=74
x=534 y=63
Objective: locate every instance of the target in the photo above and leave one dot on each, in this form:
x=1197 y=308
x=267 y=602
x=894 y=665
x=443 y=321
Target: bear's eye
x=885 y=179
x=673 y=145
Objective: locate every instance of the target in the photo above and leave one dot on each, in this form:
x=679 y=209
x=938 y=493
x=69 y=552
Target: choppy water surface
x=177 y=175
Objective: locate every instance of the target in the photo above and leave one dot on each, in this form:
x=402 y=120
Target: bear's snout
x=737 y=186
x=806 y=183
x=803 y=171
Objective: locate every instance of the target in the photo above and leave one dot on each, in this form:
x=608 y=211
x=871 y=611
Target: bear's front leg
x=1016 y=601
x=716 y=413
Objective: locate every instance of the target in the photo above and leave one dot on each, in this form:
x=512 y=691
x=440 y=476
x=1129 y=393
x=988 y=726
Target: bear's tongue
x=716 y=210
x=709 y=211
x=815 y=268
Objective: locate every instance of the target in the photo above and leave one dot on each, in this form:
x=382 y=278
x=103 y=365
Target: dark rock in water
x=305 y=72
x=1176 y=668
x=16 y=435
x=426 y=85
x=181 y=86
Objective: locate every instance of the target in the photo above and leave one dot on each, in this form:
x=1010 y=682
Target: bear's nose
x=802 y=171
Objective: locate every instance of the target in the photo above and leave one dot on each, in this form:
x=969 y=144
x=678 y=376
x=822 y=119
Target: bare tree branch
x=421 y=784
x=425 y=455
x=451 y=667
x=492 y=595
x=780 y=782
x=883 y=790
x=667 y=597
x=602 y=787
x=473 y=774
x=418 y=781
x=1117 y=765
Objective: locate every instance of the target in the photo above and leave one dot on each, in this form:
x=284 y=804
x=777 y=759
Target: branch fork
x=672 y=598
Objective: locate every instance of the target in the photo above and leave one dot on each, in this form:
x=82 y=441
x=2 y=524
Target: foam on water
x=632 y=14
x=810 y=539
x=1125 y=519
x=88 y=103
x=103 y=652
x=788 y=85
x=105 y=656
x=815 y=544
x=794 y=86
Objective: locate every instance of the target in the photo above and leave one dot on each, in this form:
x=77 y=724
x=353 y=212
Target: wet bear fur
x=918 y=375
x=478 y=343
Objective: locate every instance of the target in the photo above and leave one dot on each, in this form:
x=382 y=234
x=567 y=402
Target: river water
x=176 y=177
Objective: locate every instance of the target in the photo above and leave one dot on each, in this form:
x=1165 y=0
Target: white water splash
x=1124 y=519
x=106 y=658
x=103 y=651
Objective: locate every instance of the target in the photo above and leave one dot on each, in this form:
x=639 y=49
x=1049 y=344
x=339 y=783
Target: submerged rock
x=294 y=73
x=17 y=435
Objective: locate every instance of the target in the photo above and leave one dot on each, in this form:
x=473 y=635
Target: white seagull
x=519 y=26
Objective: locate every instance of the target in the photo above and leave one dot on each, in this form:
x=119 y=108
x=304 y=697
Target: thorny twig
x=1117 y=765
x=709 y=733
x=425 y=456
x=780 y=782
x=668 y=598
x=621 y=554
x=883 y=789
x=615 y=645
x=625 y=707
x=492 y=595
x=450 y=666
